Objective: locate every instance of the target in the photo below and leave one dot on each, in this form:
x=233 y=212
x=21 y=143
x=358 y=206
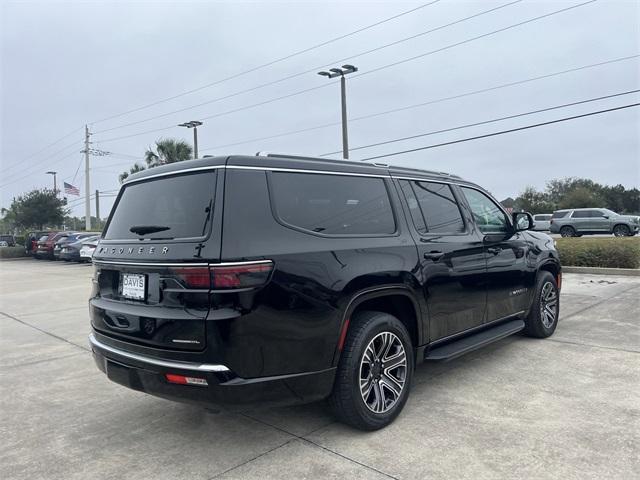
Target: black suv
x=278 y=279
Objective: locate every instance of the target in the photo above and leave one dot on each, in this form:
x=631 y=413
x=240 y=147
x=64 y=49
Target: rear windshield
x=560 y=214
x=166 y=208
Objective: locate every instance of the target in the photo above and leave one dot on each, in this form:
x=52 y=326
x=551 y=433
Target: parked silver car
x=590 y=221
x=542 y=222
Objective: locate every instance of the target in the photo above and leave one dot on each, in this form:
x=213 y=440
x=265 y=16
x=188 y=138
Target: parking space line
x=44 y=331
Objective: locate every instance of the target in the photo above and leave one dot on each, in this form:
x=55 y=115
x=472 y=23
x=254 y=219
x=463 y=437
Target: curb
x=631 y=272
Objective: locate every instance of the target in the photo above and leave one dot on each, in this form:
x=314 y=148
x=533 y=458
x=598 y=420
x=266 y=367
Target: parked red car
x=46 y=244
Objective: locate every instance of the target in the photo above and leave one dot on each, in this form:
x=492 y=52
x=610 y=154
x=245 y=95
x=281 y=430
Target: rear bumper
x=147 y=374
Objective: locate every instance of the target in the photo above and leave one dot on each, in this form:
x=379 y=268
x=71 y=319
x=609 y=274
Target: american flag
x=70 y=189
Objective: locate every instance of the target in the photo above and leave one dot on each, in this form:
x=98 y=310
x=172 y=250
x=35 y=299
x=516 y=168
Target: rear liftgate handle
x=433 y=255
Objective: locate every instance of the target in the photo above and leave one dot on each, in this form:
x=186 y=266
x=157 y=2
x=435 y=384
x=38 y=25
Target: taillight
x=193 y=277
x=223 y=276
x=243 y=275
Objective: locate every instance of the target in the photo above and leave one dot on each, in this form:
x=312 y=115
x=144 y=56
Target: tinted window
x=437 y=205
x=486 y=213
x=560 y=214
x=596 y=214
x=581 y=214
x=333 y=204
x=169 y=207
x=542 y=218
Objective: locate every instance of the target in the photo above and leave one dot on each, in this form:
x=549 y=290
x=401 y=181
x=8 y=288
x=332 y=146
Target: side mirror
x=606 y=216
x=522 y=221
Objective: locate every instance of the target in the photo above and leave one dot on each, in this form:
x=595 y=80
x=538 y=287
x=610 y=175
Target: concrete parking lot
x=566 y=407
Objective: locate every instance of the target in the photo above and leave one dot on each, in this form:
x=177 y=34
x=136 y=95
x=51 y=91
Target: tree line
x=578 y=193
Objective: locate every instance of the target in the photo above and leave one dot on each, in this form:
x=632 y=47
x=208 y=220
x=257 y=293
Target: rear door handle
x=433 y=255
x=494 y=250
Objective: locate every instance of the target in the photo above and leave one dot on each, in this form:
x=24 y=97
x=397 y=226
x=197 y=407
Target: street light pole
x=341 y=72
x=193 y=124
x=55 y=185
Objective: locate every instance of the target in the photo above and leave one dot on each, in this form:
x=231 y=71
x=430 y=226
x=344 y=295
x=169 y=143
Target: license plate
x=133 y=286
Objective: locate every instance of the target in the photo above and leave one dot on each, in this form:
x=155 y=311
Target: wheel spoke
x=379 y=398
x=392 y=384
x=396 y=360
x=365 y=387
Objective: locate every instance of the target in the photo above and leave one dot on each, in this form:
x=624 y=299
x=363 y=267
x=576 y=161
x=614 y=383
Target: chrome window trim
x=199 y=367
x=173 y=172
x=301 y=170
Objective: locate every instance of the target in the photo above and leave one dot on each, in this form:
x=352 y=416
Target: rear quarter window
x=165 y=208
x=332 y=204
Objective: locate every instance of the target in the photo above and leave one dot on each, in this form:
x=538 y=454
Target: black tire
x=537 y=323
x=621 y=231
x=346 y=400
x=567 y=231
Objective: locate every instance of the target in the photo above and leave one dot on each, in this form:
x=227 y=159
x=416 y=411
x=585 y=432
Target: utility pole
x=55 y=185
x=87 y=183
x=98 y=208
x=341 y=72
x=193 y=124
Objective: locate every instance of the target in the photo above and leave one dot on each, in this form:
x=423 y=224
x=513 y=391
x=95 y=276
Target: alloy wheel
x=548 y=304
x=621 y=231
x=383 y=372
x=567 y=232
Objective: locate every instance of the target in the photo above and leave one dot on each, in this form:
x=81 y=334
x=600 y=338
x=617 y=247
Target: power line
x=20 y=163
x=473 y=39
x=305 y=72
x=272 y=62
x=502 y=132
x=430 y=102
x=485 y=122
x=299 y=92
x=31 y=171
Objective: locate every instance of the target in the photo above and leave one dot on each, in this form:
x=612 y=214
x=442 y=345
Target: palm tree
x=135 y=169
x=168 y=150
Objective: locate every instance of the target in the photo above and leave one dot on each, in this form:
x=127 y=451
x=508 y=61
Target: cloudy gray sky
x=65 y=64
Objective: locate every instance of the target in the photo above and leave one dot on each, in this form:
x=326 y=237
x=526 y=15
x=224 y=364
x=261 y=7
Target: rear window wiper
x=143 y=229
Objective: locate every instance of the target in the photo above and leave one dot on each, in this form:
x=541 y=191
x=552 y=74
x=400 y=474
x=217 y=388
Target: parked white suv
x=590 y=221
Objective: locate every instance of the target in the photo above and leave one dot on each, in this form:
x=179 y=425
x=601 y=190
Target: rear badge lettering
x=132 y=250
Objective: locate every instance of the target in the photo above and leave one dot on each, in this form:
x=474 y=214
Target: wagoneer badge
x=136 y=250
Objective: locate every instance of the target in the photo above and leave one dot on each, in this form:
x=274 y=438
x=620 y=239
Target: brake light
x=218 y=277
x=241 y=275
